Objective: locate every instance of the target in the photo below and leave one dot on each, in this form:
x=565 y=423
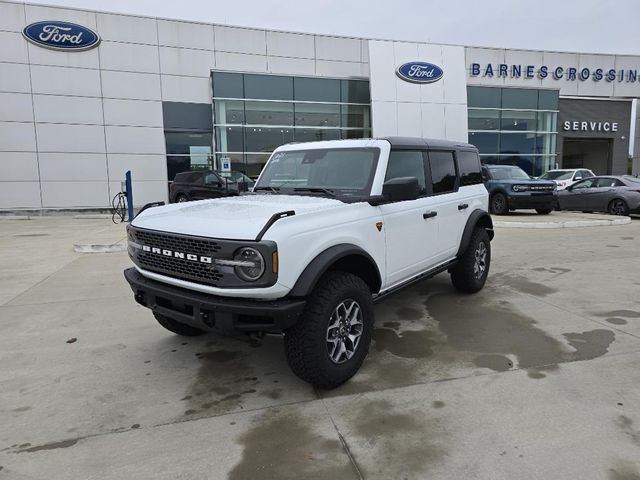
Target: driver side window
x=211 y=179
x=584 y=184
x=407 y=163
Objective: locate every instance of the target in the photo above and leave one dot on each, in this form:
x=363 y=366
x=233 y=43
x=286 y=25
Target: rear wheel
x=177 y=327
x=470 y=273
x=543 y=211
x=499 y=204
x=181 y=197
x=330 y=341
x=618 y=206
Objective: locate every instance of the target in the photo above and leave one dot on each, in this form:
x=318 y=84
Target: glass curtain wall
x=254 y=114
x=514 y=126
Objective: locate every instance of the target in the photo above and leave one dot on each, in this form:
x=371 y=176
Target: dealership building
x=86 y=96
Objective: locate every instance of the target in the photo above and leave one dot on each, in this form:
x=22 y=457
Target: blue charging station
x=129 y=192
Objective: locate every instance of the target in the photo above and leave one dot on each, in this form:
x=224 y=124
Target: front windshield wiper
x=269 y=189
x=326 y=191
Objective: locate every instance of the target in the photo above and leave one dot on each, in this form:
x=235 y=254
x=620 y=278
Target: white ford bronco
x=329 y=228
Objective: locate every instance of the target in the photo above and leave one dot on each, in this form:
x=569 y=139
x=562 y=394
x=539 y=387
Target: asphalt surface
x=534 y=377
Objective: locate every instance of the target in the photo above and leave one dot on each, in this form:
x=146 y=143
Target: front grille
x=168 y=264
x=542 y=188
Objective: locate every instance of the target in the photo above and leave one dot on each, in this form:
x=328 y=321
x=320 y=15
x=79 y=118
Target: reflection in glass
x=316 y=89
x=316 y=134
x=229 y=139
x=229 y=111
x=518 y=143
x=268 y=87
x=484 y=119
x=356 y=116
x=518 y=120
x=261 y=139
x=317 y=115
x=485 y=142
x=268 y=113
x=355 y=91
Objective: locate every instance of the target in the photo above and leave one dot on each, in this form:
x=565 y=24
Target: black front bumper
x=525 y=201
x=214 y=313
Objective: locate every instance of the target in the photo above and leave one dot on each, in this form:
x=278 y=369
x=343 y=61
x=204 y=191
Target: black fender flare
x=325 y=260
x=478 y=218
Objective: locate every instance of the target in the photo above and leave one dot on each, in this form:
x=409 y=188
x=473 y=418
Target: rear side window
x=443 y=172
x=609 y=182
x=407 y=163
x=469 y=168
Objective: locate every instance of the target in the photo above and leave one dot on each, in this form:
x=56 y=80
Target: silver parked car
x=615 y=194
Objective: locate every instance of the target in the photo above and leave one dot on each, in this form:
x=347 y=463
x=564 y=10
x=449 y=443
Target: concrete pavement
x=534 y=377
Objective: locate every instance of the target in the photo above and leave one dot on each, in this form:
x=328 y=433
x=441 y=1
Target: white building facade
x=158 y=96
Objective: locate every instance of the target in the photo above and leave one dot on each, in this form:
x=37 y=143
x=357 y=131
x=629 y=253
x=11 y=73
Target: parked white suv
x=567 y=176
x=329 y=228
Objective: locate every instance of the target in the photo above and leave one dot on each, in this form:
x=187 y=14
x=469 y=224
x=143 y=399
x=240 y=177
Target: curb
x=15 y=217
x=99 y=248
x=565 y=224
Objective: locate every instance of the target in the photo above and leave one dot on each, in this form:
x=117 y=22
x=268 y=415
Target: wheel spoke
x=344 y=331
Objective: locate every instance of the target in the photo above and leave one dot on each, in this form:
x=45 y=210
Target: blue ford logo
x=419 y=72
x=61 y=35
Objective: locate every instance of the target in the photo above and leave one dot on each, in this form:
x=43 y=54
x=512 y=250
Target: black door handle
x=462 y=206
x=429 y=215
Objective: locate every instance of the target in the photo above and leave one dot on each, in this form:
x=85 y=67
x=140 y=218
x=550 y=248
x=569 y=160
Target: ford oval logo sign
x=419 y=72
x=61 y=35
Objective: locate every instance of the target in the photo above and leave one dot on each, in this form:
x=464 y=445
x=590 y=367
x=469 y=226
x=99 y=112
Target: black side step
x=423 y=276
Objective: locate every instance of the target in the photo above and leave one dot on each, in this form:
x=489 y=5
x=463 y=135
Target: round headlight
x=252 y=266
x=516 y=188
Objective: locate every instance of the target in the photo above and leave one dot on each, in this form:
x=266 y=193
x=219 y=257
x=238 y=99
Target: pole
x=127 y=177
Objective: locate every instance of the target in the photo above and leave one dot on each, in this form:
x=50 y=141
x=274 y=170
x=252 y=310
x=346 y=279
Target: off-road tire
x=618 y=206
x=177 y=327
x=306 y=342
x=181 y=197
x=544 y=211
x=463 y=275
x=499 y=204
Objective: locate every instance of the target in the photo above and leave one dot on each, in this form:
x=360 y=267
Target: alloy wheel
x=344 y=331
x=480 y=260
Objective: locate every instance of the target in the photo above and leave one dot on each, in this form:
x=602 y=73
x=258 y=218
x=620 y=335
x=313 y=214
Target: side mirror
x=485 y=177
x=577 y=178
x=401 y=189
x=569 y=188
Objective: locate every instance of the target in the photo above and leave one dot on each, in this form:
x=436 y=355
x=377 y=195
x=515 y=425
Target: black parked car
x=510 y=188
x=201 y=184
x=617 y=195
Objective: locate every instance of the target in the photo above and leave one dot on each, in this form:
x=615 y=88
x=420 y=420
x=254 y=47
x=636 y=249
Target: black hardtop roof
x=409 y=142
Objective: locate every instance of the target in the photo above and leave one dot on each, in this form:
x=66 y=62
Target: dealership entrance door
x=591 y=153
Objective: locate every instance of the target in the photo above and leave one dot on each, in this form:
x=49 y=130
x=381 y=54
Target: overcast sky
x=569 y=25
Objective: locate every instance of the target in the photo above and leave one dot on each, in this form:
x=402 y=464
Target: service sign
x=61 y=36
x=419 y=72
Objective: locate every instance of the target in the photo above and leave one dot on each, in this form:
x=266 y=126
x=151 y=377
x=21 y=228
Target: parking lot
x=534 y=377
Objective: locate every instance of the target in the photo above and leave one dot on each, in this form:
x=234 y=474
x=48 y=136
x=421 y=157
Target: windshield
x=336 y=171
x=557 y=175
x=508 y=173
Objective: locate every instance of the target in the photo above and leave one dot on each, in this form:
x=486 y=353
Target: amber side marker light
x=379 y=226
x=274 y=262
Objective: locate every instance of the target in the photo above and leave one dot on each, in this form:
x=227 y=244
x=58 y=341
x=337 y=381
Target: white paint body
x=405 y=247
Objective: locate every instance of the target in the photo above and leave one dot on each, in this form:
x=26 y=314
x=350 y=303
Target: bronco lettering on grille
x=173 y=254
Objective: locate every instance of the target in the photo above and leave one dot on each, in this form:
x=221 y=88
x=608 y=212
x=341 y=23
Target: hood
x=237 y=218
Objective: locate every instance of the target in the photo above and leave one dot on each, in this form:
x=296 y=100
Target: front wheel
x=618 y=207
x=330 y=341
x=543 y=211
x=499 y=204
x=470 y=273
x=181 y=198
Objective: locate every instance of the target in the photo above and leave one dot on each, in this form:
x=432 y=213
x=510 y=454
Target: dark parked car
x=510 y=188
x=201 y=184
x=617 y=195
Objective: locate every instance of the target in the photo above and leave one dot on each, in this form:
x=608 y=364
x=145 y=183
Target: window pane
x=548 y=99
x=355 y=91
x=526 y=163
x=366 y=133
x=547 y=121
x=407 y=164
x=518 y=143
x=181 y=143
x=268 y=113
x=227 y=85
x=317 y=89
x=546 y=144
x=236 y=159
x=514 y=120
x=229 y=111
x=260 y=139
x=468 y=168
x=315 y=134
x=484 y=119
x=356 y=116
x=268 y=87
x=317 y=115
x=485 y=142
x=443 y=172
x=519 y=98
x=485 y=97
x=229 y=139
x=255 y=163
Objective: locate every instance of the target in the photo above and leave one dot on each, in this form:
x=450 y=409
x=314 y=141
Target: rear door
x=604 y=193
x=411 y=228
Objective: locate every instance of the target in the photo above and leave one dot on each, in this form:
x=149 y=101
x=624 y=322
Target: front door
x=411 y=227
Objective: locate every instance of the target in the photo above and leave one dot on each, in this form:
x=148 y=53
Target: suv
x=566 y=177
x=510 y=188
x=201 y=184
x=329 y=228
